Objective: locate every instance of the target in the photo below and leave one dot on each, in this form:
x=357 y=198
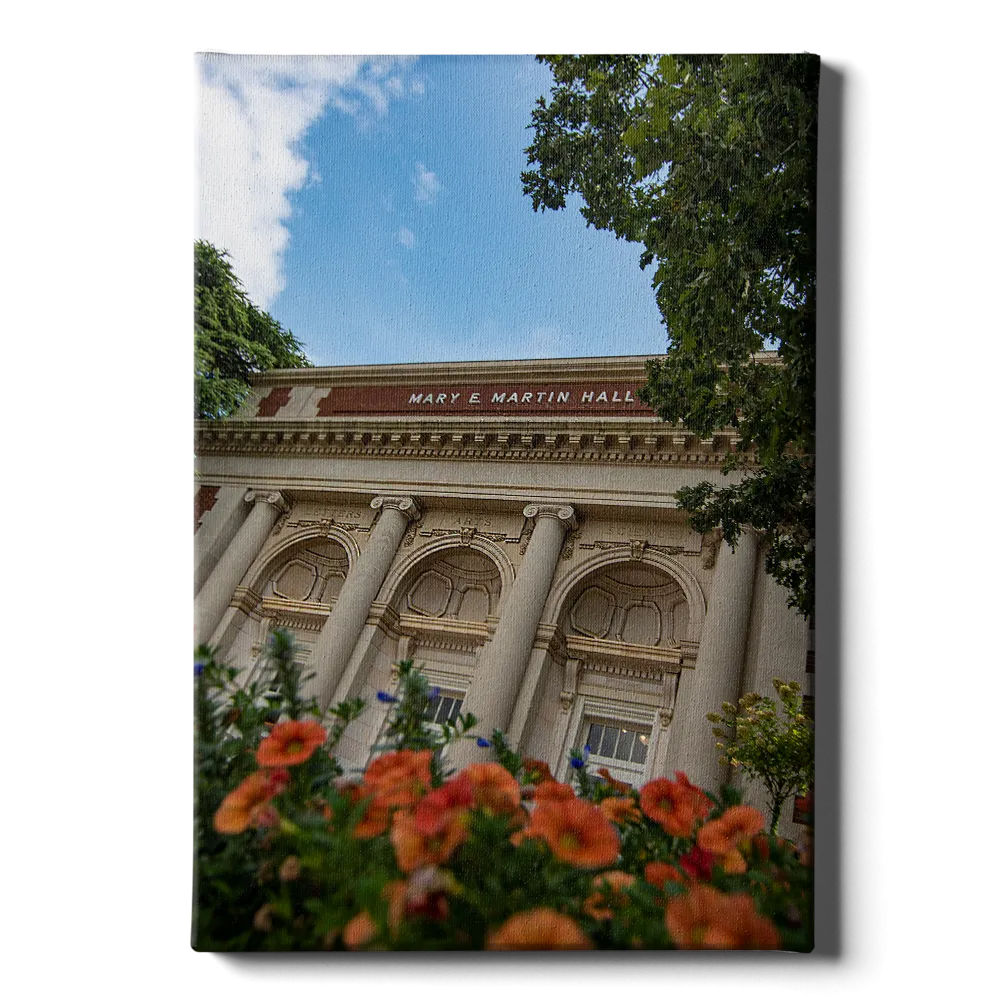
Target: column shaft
x=340 y=634
x=500 y=670
x=716 y=676
x=216 y=593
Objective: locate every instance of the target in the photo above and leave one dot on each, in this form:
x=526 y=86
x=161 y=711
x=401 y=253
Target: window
x=445 y=707
x=621 y=747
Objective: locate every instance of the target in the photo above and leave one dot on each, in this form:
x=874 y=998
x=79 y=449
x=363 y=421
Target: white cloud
x=254 y=112
x=425 y=183
x=406 y=237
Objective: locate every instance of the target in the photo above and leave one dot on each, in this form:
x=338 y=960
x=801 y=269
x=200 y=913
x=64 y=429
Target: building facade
x=511 y=528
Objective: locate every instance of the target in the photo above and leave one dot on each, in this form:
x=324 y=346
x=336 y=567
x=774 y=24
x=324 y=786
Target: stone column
x=340 y=634
x=500 y=670
x=216 y=593
x=716 y=675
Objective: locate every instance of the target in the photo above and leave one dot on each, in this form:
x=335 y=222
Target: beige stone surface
x=617 y=615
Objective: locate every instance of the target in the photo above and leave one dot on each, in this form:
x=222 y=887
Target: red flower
x=697 y=864
x=659 y=873
x=541 y=929
x=708 y=918
x=675 y=805
x=576 y=832
x=290 y=743
x=248 y=804
x=494 y=788
x=400 y=778
x=724 y=837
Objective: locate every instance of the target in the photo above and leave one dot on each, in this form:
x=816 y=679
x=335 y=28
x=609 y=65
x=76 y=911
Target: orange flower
x=576 y=832
x=608 y=895
x=620 y=811
x=708 y=918
x=536 y=772
x=290 y=743
x=659 y=873
x=247 y=804
x=400 y=778
x=415 y=848
x=361 y=930
x=436 y=810
x=725 y=836
x=541 y=929
x=703 y=805
x=675 y=805
x=618 y=786
x=554 y=791
x=494 y=788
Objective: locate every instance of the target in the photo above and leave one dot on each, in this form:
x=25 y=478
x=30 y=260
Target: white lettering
x=512 y=398
x=563 y=397
x=587 y=397
x=628 y=396
x=442 y=396
x=416 y=397
x=454 y=396
x=429 y=398
x=616 y=398
x=499 y=397
x=602 y=398
x=526 y=397
x=474 y=398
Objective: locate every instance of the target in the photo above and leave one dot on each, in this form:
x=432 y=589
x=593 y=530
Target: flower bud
x=290 y=869
x=262 y=918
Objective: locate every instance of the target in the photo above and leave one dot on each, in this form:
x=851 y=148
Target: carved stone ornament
x=666 y=716
x=710 y=549
x=566 y=699
x=637 y=546
x=273 y=497
x=563 y=513
x=405 y=505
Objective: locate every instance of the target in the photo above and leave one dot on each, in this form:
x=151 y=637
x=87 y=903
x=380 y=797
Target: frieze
x=637 y=547
x=627 y=445
x=465 y=534
x=326 y=522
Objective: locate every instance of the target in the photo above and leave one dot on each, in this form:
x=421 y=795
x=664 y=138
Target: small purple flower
x=434 y=693
x=199 y=668
x=576 y=762
x=481 y=741
x=386 y=697
x=586 y=751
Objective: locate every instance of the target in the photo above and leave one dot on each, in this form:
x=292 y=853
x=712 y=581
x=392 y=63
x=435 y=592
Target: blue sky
x=374 y=207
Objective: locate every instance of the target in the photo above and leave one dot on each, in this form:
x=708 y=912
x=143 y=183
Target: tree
x=233 y=339
x=709 y=162
x=780 y=752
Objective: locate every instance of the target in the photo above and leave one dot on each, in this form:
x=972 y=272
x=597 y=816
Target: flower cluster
x=498 y=855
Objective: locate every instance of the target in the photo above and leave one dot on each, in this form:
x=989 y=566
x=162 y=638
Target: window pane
x=639 y=748
x=456 y=707
x=608 y=743
x=594 y=739
x=625 y=744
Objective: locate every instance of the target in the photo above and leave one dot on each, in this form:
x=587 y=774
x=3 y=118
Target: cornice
x=591 y=439
x=550 y=369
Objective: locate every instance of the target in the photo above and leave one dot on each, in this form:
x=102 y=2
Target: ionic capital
x=563 y=513
x=407 y=506
x=273 y=497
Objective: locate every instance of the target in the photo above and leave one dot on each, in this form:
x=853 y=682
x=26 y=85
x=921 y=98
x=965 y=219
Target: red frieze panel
x=204 y=501
x=491 y=399
x=273 y=401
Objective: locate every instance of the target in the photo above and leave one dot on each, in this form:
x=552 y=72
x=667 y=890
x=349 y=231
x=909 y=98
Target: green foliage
x=409 y=727
x=710 y=163
x=776 y=749
x=233 y=339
